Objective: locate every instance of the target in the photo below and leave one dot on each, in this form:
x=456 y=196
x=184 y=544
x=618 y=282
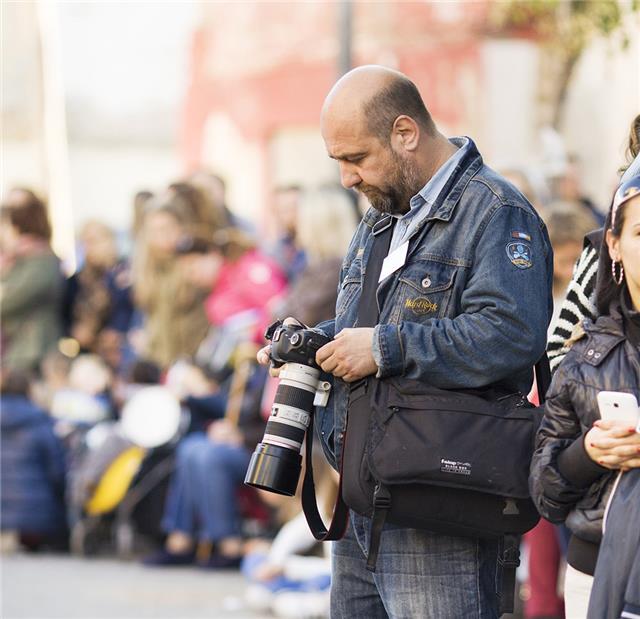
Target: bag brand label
x=455 y=467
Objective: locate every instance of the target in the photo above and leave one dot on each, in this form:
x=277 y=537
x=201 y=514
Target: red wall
x=300 y=41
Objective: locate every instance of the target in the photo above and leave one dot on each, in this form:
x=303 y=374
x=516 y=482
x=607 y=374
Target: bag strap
x=340 y=516
x=509 y=560
x=368 y=310
x=367 y=316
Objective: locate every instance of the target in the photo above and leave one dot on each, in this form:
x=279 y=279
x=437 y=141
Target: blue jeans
x=202 y=498
x=419 y=575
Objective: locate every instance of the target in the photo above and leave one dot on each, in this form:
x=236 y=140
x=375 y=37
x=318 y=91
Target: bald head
x=375 y=125
x=376 y=96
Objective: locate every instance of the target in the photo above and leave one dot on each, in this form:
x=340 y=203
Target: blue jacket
x=32 y=469
x=471 y=305
x=616 y=585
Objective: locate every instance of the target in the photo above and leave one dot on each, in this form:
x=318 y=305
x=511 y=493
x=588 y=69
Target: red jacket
x=248 y=284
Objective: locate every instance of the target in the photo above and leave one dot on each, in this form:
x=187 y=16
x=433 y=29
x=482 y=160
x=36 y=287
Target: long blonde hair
x=326 y=222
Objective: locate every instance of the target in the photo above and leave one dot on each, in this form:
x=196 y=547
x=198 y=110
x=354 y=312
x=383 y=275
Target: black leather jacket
x=566 y=485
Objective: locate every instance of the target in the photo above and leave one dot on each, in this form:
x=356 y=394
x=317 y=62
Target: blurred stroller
x=119 y=483
x=119 y=490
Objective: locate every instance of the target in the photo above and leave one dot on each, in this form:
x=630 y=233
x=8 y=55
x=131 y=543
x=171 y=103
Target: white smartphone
x=618 y=406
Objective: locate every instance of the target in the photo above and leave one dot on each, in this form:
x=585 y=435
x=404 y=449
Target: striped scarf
x=580 y=303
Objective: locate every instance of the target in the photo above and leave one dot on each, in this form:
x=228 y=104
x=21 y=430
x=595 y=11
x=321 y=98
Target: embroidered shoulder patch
x=519 y=255
x=520 y=235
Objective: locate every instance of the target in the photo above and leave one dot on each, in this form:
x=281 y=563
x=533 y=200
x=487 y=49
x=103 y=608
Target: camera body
x=295 y=344
x=276 y=463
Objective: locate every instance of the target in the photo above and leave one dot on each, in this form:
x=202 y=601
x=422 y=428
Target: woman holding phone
x=577 y=452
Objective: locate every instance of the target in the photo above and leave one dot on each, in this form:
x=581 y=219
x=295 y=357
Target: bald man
x=464 y=299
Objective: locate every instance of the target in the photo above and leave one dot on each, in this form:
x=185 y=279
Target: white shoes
x=301 y=604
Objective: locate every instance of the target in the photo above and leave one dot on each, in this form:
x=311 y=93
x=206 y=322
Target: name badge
x=394 y=261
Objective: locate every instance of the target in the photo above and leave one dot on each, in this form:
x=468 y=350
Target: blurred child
x=98 y=303
x=286 y=577
x=32 y=467
x=567 y=223
x=86 y=398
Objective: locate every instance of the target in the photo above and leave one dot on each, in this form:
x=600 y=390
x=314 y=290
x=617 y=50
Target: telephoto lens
x=276 y=463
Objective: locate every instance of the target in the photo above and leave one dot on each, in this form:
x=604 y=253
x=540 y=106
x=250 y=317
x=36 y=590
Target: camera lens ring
x=276 y=463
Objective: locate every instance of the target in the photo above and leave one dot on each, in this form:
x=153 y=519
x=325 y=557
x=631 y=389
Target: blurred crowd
x=131 y=400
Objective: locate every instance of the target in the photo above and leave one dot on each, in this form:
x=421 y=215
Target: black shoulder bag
x=452 y=462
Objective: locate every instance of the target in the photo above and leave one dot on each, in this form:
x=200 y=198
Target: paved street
x=57 y=587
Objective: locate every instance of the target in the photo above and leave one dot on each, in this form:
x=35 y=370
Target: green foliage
x=564 y=28
x=569 y=24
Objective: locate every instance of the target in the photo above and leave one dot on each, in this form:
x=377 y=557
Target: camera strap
x=310 y=506
x=382 y=232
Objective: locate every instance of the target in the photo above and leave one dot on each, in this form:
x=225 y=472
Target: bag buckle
x=381 y=497
x=382 y=225
x=510 y=555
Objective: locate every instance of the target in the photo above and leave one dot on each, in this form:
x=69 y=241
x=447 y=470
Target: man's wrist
x=387 y=350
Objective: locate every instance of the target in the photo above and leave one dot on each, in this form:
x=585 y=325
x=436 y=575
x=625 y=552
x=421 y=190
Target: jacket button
x=426 y=282
x=590 y=352
x=597 y=355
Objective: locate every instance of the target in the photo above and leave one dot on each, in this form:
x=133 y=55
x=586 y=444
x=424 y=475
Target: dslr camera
x=276 y=463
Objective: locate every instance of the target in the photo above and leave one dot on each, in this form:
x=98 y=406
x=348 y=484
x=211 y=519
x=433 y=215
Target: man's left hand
x=350 y=355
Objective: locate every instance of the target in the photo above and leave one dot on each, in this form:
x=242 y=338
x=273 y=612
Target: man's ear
x=613 y=244
x=405 y=133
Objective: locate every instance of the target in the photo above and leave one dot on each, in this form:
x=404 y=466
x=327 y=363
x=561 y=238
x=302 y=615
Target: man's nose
x=348 y=176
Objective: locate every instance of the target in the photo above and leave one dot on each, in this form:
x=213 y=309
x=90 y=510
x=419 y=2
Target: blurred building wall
x=260 y=72
x=123 y=68
x=22 y=131
x=603 y=100
x=154 y=90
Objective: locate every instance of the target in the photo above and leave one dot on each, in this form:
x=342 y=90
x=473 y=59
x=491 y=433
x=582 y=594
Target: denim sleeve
x=328 y=327
x=501 y=324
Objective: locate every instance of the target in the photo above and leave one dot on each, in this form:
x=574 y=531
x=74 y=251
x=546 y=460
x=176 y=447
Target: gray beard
x=396 y=200
x=386 y=204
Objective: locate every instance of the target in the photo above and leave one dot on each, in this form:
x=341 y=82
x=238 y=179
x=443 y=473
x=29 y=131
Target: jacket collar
x=451 y=193
x=630 y=317
x=597 y=347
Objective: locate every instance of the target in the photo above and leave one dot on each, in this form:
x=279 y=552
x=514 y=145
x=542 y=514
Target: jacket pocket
x=424 y=290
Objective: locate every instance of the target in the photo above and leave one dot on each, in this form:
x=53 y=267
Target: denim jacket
x=471 y=304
